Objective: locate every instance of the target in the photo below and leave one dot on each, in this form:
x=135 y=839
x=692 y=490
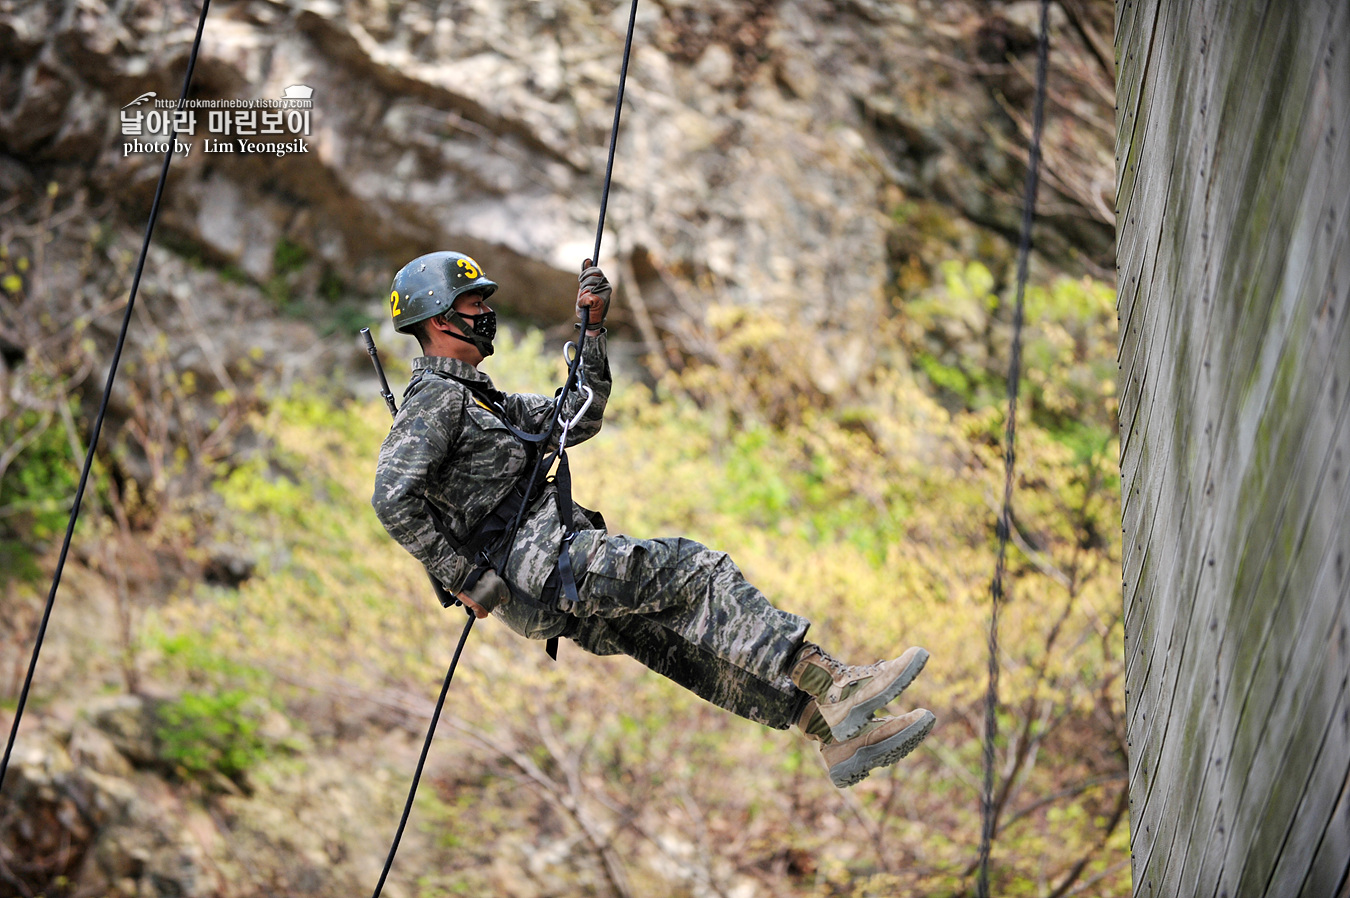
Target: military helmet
x=429 y=285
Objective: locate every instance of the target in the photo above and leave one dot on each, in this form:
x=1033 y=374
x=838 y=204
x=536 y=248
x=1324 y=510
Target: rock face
x=94 y=823
x=764 y=151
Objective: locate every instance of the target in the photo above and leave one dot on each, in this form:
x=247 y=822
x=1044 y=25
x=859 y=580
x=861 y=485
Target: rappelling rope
x=574 y=365
x=997 y=592
x=571 y=384
x=422 y=759
x=614 y=134
x=103 y=405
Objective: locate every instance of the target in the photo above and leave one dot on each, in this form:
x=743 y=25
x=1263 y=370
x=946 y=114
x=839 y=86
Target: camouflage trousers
x=683 y=610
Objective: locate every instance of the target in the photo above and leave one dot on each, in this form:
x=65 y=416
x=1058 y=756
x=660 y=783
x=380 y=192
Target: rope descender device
x=584 y=388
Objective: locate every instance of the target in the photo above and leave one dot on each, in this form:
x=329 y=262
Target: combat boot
x=847 y=695
x=880 y=743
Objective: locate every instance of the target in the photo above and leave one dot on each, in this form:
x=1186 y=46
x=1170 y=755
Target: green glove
x=490 y=591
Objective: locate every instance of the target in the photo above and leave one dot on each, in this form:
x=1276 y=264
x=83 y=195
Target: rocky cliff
x=767 y=149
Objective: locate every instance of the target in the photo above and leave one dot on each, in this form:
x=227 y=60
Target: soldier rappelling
x=454 y=487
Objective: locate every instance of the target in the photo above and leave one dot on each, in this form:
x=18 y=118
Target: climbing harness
x=562 y=484
x=107 y=394
x=997 y=593
x=489 y=543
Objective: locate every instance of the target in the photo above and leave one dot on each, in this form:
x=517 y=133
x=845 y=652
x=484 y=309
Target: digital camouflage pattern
x=689 y=614
x=681 y=609
x=449 y=460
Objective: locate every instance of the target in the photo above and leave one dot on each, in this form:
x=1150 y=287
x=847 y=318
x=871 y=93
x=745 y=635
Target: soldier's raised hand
x=593 y=295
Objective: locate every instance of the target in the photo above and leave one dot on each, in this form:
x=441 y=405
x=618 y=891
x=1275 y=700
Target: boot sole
x=857 y=718
x=883 y=754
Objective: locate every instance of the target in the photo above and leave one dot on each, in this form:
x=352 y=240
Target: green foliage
x=17 y=561
x=331 y=286
x=953 y=380
x=204 y=734
x=347 y=317
x=198 y=658
x=288 y=257
x=37 y=487
x=959 y=335
x=326 y=302
x=288 y=260
x=13 y=272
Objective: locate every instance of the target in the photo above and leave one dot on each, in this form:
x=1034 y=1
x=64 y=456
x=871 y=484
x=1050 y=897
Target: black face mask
x=480 y=328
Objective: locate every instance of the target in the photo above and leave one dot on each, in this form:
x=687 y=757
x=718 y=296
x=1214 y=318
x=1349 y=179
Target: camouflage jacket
x=449 y=460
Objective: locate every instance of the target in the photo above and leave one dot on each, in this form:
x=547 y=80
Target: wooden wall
x=1233 y=167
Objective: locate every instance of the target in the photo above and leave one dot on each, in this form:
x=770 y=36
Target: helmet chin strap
x=471 y=331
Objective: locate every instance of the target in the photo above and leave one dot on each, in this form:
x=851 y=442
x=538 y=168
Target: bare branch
x=1070 y=792
x=1101 y=48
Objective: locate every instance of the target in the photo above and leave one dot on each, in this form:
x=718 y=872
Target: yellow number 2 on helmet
x=394 y=310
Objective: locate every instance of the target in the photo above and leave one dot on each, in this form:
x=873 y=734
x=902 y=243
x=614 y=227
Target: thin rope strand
x=103 y=405
x=614 y=134
x=997 y=591
x=421 y=761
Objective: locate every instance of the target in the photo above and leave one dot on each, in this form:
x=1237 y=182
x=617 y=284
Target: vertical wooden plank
x=1233 y=406
x=1331 y=863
